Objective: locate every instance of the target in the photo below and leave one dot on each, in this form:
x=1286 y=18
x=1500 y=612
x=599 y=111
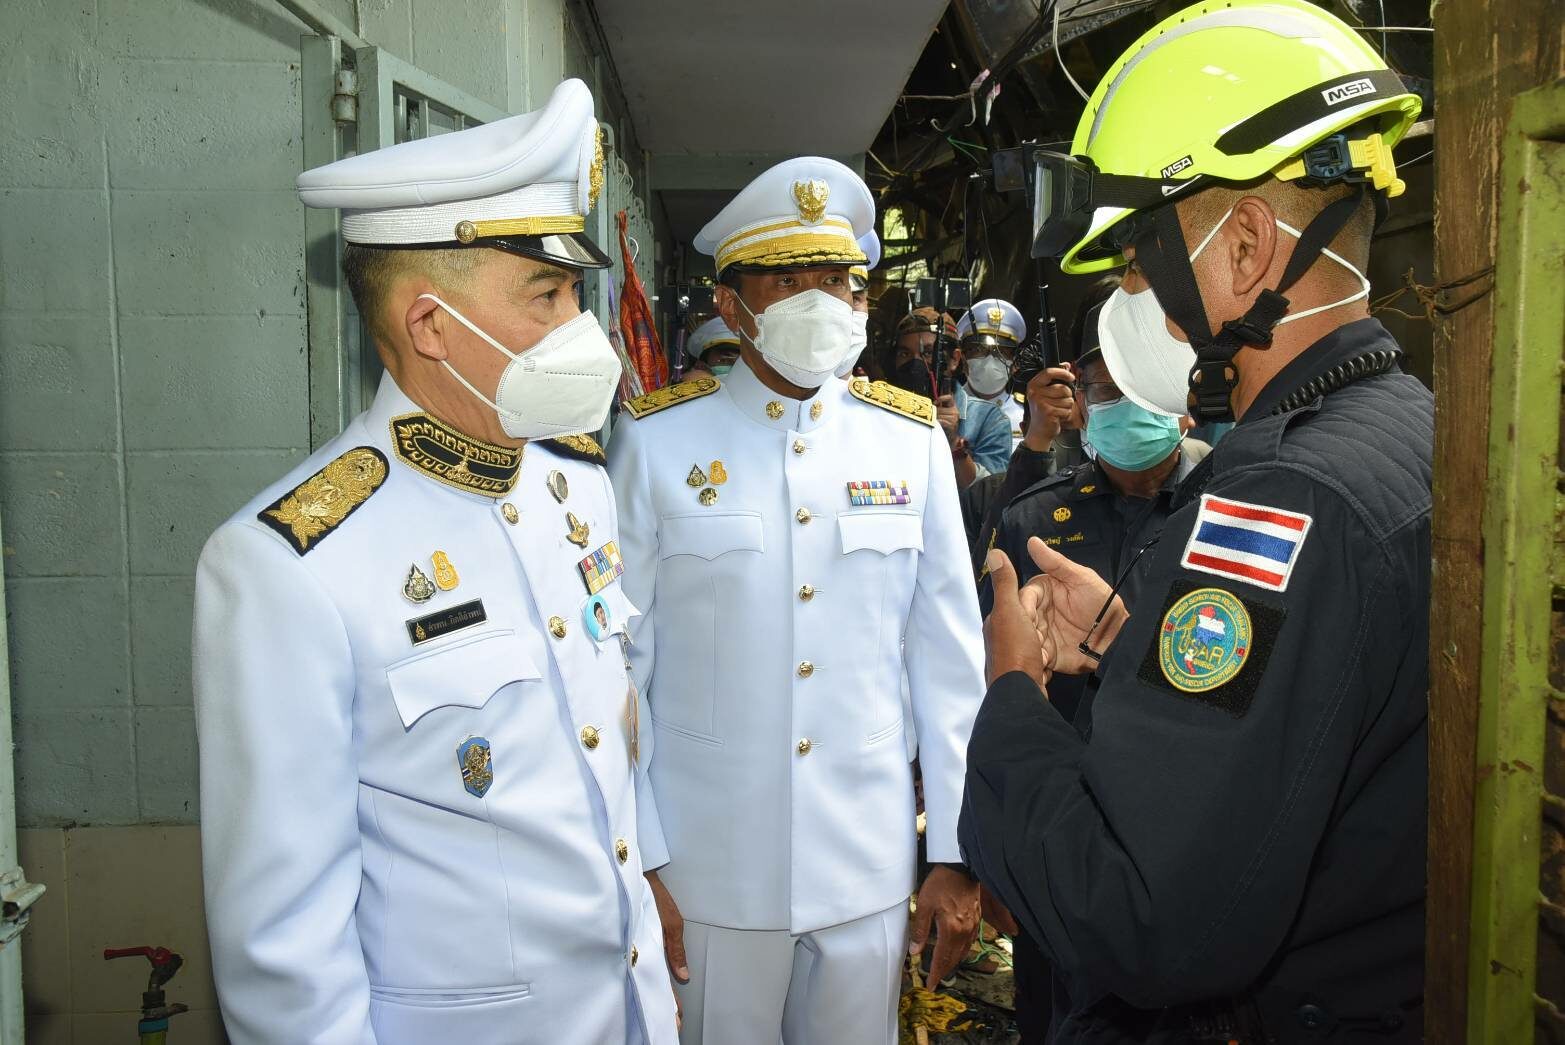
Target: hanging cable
x=1059 y=58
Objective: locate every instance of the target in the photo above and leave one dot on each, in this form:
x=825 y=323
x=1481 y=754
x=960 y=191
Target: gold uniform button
x=798 y=446
x=806 y=593
x=557 y=627
x=635 y=956
x=509 y=511
x=589 y=738
x=803 y=515
x=804 y=746
x=806 y=669
x=622 y=850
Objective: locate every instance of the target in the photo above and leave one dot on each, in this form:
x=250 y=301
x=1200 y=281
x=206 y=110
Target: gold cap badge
x=810 y=197
x=595 y=172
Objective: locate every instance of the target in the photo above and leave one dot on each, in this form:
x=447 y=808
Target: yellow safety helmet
x=1226 y=91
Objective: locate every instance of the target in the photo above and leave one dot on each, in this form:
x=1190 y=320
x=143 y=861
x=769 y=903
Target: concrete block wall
x=153 y=376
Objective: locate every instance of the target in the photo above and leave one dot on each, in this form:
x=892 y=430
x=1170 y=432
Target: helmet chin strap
x=1163 y=259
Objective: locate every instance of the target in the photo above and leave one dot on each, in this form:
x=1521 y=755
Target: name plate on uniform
x=602 y=568
x=864 y=492
x=444 y=622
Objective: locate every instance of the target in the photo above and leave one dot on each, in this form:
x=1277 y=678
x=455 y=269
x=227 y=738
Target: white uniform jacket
x=1013 y=413
x=419 y=818
x=771 y=646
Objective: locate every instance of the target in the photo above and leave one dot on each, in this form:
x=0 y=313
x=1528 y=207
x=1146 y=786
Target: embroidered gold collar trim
x=447 y=456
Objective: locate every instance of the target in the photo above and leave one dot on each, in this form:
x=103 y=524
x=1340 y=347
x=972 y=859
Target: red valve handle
x=155 y=955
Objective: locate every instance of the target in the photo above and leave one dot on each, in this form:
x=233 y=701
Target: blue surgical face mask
x=721 y=369
x=1129 y=436
x=1211 y=433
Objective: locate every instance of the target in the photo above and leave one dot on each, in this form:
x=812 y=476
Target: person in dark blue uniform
x=1105 y=511
x=1100 y=514
x=1237 y=852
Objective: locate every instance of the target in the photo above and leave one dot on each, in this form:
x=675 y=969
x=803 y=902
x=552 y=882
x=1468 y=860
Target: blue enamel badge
x=1204 y=641
x=473 y=758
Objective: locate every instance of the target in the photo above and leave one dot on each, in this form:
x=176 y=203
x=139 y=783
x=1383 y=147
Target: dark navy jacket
x=1261 y=841
x=1079 y=514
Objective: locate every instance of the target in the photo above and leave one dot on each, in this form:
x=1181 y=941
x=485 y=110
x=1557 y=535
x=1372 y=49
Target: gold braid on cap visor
x=552 y=225
x=806 y=245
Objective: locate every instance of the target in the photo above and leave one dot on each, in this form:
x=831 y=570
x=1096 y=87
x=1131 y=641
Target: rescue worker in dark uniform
x=1102 y=513
x=1050 y=412
x=1237 y=852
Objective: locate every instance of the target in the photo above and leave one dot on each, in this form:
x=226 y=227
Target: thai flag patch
x=1247 y=542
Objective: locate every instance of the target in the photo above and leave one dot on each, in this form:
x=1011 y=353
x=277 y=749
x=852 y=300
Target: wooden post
x=1486 y=52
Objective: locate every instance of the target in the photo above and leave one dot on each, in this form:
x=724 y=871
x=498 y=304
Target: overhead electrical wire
x=1059 y=59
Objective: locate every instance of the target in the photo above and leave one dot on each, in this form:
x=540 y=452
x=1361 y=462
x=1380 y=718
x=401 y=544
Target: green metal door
x=1516 y=962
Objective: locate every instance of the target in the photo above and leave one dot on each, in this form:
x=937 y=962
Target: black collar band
x=447 y=456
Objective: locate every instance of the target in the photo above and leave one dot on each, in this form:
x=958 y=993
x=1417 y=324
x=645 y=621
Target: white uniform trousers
x=834 y=986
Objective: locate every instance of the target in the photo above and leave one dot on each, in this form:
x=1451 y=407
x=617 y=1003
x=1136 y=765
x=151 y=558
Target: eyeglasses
x=1099 y=392
x=976 y=349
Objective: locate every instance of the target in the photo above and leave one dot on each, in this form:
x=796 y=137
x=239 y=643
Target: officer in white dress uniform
x=990 y=333
x=418 y=743
x=858 y=283
x=858 y=275
x=713 y=346
x=783 y=531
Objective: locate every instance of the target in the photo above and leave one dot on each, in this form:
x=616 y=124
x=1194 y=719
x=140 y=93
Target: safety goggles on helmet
x=1069 y=190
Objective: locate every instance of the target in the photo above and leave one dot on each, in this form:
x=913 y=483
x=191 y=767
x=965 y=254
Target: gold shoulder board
x=308 y=513
x=671 y=395
x=581 y=447
x=897 y=400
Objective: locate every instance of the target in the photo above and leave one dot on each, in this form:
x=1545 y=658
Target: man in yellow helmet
x=1236 y=851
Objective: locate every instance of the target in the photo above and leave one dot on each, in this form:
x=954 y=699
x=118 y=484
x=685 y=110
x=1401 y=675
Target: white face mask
x=563 y=385
x=1152 y=366
x=986 y=376
x=858 y=339
x=803 y=337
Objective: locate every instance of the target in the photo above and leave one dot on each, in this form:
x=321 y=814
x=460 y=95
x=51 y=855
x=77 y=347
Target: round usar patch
x=1204 y=640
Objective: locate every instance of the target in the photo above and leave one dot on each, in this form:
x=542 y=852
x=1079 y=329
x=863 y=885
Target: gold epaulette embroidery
x=312 y=510
x=581 y=447
x=897 y=400
x=670 y=395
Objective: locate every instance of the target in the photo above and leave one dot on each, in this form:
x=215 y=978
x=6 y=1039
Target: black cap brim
x=987 y=341
x=572 y=249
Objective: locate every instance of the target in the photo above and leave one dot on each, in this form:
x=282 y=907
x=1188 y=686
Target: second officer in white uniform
x=418 y=743
x=990 y=333
x=788 y=535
